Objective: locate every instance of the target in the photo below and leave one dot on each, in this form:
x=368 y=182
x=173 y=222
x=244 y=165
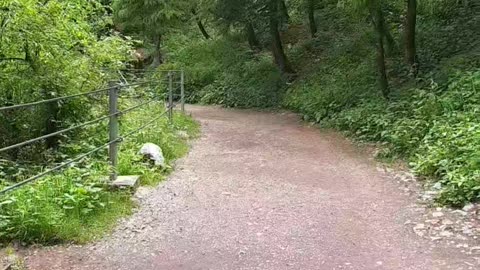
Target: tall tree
x=277 y=46
x=410 y=28
x=379 y=24
x=149 y=19
x=201 y=11
x=376 y=14
x=242 y=14
x=252 y=37
x=200 y=24
x=311 y=17
x=50 y=49
x=282 y=5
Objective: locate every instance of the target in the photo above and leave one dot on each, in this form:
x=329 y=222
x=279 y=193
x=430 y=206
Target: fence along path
x=113 y=117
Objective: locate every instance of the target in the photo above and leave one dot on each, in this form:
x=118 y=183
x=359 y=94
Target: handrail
x=98 y=120
x=113 y=116
x=38 y=176
x=69 y=97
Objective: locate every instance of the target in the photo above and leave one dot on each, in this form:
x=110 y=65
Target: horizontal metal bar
x=98 y=120
x=38 y=176
x=69 y=97
x=134 y=84
x=143 y=70
x=137 y=106
x=52 y=100
x=55 y=133
x=149 y=123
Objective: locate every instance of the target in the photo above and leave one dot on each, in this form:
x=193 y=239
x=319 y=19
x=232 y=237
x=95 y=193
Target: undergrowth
x=431 y=121
x=77 y=205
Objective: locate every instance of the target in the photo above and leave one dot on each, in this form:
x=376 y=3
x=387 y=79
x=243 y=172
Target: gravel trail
x=263 y=191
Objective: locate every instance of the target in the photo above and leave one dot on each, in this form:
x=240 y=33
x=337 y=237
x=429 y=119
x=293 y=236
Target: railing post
x=170 y=97
x=113 y=131
x=182 y=90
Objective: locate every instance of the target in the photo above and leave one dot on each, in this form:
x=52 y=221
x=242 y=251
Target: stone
x=446 y=234
x=469 y=207
x=437 y=214
x=154 y=153
x=126 y=182
x=433 y=221
x=437 y=186
x=183 y=134
x=460 y=212
x=447 y=222
x=419 y=226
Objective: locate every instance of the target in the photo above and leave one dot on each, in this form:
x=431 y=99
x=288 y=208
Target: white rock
x=447 y=222
x=183 y=134
x=446 y=234
x=460 y=212
x=437 y=186
x=468 y=207
x=419 y=226
x=154 y=153
x=437 y=214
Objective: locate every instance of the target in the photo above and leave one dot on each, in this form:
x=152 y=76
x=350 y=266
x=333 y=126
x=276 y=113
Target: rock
x=469 y=207
x=460 y=212
x=447 y=222
x=154 y=153
x=476 y=248
x=433 y=221
x=419 y=226
x=446 y=234
x=183 y=134
x=437 y=214
x=437 y=186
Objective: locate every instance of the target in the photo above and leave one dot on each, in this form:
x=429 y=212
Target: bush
x=77 y=205
x=222 y=72
x=437 y=129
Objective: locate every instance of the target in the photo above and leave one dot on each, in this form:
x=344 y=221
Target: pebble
x=446 y=234
x=469 y=207
x=460 y=212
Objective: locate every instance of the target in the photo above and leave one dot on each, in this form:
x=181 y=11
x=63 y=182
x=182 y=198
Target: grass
x=77 y=205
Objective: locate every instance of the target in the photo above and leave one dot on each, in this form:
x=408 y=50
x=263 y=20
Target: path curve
x=263 y=191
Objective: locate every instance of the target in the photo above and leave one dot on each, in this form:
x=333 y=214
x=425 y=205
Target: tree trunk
x=379 y=24
x=284 y=11
x=252 y=37
x=200 y=25
x=410 y=27
x=277 y=47
x=157 y=56
x=391 y=46
x=311 y=17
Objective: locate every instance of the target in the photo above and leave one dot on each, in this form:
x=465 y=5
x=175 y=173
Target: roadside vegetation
x=59 y=48
x=401 y=74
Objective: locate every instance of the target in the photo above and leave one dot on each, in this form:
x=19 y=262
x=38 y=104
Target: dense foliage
x=51 y=49
x=78 y=204
x=403 y=74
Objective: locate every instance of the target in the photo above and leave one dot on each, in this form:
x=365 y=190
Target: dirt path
x=262 y=191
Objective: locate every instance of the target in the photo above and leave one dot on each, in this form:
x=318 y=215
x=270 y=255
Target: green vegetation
x=78 y=205
x=402 y=74
x=51 y=49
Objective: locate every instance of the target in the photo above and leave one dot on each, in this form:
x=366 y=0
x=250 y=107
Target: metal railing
x=113 y=116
